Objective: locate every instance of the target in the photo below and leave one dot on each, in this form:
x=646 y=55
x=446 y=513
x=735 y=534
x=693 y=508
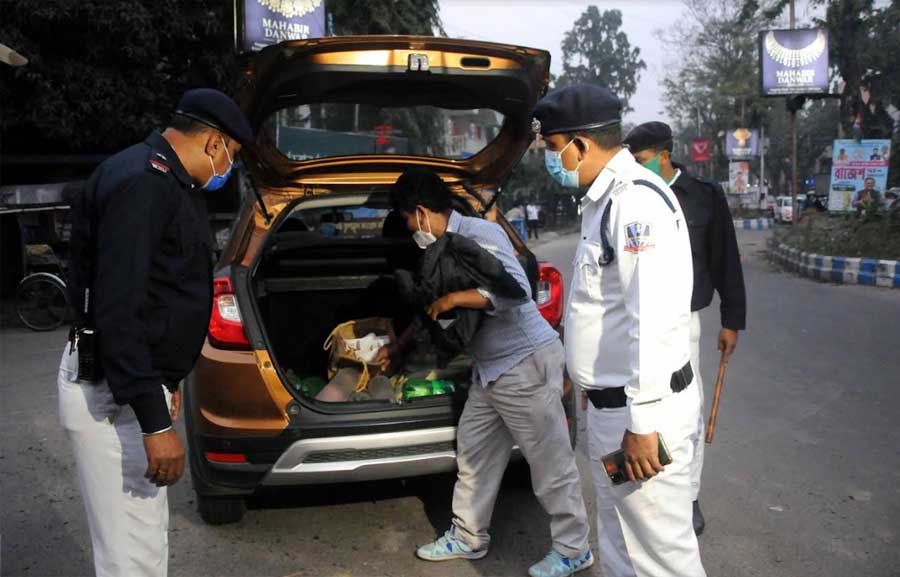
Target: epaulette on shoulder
x=158 y=163
x=618 y=186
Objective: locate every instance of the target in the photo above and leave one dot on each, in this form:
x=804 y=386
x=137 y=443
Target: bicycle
x=42 y=301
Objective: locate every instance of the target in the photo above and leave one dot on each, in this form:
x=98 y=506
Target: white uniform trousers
x=127 y=514
x=645 y=529
x=697 y=463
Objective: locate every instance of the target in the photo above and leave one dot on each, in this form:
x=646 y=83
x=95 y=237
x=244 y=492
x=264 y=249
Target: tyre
x=221 y=510
x=42 y=302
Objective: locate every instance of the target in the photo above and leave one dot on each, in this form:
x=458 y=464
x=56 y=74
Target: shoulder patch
x=159 y=166
x=638 y=237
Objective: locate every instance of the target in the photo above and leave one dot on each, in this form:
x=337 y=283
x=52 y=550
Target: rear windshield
x=352 y=221
x=328 y=130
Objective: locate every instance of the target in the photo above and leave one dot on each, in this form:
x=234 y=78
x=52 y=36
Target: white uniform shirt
x=534 y=212
x=628 y=322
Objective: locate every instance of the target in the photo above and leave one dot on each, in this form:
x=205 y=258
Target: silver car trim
x=290 y=469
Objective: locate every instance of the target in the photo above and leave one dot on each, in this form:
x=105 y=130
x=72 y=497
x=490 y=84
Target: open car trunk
x=332 y=260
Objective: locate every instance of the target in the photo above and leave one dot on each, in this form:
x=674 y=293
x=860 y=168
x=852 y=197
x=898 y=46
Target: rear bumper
x=366 y=457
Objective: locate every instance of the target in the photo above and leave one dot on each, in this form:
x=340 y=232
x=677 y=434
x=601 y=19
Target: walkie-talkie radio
x=614 y=463
x=86 y=344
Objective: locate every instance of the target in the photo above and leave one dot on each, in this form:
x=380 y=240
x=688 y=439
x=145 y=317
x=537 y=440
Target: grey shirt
x=513 y=328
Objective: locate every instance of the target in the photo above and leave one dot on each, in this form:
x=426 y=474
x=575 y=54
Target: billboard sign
x=738 y=177
x=700 y=150
x=859 y=172
x=793 y=62
x=266 y=22
x=741 y=144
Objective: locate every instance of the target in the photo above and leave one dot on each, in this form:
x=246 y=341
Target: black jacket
x=717 y=261
x=149 y=271
x=455 y=263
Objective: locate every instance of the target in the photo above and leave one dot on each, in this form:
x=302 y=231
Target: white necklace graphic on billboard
x=795 y=57
x=291 y=8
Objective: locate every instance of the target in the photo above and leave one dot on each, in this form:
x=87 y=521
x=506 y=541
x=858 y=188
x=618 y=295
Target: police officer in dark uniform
x=716 y=259
x=141 y=284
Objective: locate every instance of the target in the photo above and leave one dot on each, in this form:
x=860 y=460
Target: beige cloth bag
x=341 y=355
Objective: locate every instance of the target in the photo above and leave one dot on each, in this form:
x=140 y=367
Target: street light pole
x=795 y=175
x=762 y=158
x=699 y=164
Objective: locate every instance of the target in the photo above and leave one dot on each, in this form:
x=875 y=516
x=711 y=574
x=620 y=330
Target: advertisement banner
x=268 y=22
x=738 y=177
x=741 y=144
x=700 y=150
x=793 y=62
x=859 y=172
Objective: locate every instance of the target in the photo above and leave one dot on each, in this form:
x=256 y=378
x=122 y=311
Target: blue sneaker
x=448 y=547
x=558 y=565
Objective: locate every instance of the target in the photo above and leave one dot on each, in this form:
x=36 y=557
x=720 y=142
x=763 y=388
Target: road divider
x=753 y=223
x=836 y=269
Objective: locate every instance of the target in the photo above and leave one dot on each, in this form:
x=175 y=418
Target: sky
x=543 y=24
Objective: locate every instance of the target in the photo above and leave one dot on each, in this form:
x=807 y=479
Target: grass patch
x=872 y=236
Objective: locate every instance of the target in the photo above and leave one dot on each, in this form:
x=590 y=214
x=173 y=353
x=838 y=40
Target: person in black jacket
x=141 y=279
x=716 y=259
x=454 y=263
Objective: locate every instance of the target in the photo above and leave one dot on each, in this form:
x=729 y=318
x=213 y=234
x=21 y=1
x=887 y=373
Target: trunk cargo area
x=323 y=268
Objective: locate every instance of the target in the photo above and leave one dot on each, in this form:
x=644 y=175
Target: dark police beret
x=217 y=110
x=649 y=135
x=578 y=107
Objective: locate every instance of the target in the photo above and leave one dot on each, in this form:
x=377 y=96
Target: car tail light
x=226 y=329
x=226 y=457
x=550 y=294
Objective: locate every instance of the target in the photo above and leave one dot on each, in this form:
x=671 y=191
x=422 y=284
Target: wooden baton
x=717 y=395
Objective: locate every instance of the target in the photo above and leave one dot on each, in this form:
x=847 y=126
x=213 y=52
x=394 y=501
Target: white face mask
x=422 y=238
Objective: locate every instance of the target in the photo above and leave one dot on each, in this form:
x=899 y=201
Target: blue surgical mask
x=217 y=181
x=559 y=173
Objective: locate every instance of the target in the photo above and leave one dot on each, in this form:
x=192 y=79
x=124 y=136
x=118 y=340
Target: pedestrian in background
x=533 y=211
x=716 y=259
x=141 y=283
x=627 y=335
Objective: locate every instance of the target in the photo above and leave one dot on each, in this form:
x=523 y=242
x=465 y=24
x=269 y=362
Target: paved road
x=803 y=479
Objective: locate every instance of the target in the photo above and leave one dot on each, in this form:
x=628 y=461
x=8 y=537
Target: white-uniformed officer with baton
x=627 y=335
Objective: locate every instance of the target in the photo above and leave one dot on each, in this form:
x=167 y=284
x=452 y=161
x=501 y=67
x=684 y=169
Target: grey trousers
x=522 y=407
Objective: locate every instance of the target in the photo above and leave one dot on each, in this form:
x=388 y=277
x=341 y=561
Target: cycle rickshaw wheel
x=42 y=302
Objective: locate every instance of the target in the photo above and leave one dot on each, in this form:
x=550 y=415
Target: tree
x=421 y=17
x=103 y=74
x=863 y=45
x=717 y=77
x=596 y=51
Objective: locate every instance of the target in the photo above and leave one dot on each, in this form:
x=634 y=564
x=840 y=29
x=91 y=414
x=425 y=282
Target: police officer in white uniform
x=627 y=335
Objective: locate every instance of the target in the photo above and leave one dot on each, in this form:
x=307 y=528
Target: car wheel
x=221 y=510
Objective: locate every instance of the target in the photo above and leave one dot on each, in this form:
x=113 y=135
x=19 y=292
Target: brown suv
x=337 y=120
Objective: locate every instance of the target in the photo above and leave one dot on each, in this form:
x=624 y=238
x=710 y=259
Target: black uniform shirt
x=717 y=261
x=151 y=292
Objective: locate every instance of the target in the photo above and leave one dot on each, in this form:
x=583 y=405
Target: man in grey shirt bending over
x=515 y=397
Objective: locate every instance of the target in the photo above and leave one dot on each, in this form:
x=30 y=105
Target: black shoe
x=699 y=521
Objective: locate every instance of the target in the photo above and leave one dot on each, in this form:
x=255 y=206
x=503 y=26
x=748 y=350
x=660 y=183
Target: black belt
x=614 y=397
